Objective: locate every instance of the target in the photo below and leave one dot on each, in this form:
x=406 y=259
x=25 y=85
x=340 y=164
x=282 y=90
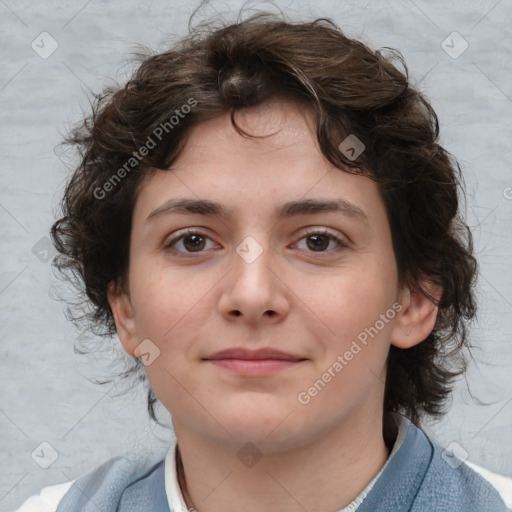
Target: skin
x=294 y=297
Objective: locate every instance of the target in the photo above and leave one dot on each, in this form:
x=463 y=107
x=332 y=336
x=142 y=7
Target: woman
x=264 y=216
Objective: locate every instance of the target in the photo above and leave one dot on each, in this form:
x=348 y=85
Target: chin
x=269 y=431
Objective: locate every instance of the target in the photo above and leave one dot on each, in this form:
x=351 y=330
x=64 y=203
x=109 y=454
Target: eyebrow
x=287 y=210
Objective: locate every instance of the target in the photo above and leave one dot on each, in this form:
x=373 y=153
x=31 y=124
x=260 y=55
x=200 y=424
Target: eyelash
x=322 y=231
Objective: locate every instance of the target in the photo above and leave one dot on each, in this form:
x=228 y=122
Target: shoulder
x=109 y=483
x=120 y=480
x=47 y=500
x=501 y=483
x=453 y=485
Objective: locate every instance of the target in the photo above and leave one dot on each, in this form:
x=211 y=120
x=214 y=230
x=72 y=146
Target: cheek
x=345 y=303
x=356 y=306
x=170 y=309
x=167 y=300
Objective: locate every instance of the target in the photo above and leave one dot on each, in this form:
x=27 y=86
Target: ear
x=417 y=317
x=122 y=310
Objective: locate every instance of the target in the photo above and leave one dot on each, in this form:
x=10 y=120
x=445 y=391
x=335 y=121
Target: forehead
x=282 y=163
x=277 y=128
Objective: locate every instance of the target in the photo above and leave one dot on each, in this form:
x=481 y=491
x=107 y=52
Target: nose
x=254 y=290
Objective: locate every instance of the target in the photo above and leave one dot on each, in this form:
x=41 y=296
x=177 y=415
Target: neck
x=312 y=477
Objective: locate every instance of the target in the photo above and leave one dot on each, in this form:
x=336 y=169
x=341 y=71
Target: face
x=269 y=273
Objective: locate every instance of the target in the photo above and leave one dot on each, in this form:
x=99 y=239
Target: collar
x=396 y=431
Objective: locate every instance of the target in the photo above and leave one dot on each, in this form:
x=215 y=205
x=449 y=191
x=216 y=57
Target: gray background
x=45 y=395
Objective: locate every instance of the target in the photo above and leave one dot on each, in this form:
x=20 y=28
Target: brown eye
x=318 y=242
x=194 y=242
x=188 y=243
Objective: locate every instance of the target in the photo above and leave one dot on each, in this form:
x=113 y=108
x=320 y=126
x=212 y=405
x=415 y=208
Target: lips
x=261 y=363
x=262 y=354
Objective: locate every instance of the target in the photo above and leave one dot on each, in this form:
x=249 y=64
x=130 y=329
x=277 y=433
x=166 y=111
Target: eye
x=318 y=240
x=190 y=242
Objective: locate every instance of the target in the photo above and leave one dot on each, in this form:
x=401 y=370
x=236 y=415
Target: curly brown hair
x=350 y=89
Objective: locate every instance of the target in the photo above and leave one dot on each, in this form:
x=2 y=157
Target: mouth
x=243 y=362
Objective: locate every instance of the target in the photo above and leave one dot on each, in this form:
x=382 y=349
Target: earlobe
x=417 y=318
x=124 y=317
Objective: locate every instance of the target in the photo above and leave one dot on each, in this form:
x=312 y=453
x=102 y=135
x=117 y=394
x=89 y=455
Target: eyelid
x=182 y=233
x=179 y=235
x=342 y=241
